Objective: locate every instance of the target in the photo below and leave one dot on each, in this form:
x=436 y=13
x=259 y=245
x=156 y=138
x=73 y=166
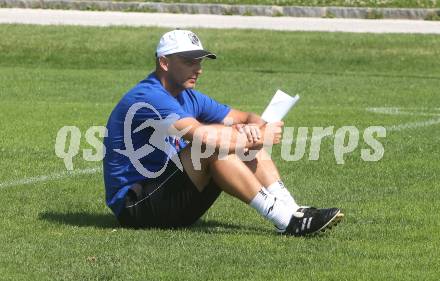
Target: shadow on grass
x=81 y=219
x=84 y=219
x=212 y=226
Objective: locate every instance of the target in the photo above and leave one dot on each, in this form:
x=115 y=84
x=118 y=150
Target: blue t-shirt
x=147 y=102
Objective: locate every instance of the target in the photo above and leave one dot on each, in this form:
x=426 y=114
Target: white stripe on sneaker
x=309 y=223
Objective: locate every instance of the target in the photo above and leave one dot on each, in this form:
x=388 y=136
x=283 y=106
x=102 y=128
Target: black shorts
x=168 y=201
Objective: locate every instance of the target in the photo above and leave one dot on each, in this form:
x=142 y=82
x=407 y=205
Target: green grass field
x=58 y=228
x=319 y=3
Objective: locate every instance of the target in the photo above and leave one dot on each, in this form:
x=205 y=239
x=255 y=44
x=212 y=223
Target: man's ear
x=163 y=63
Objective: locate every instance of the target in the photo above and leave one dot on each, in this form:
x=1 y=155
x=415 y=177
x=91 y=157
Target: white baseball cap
x=184 y=42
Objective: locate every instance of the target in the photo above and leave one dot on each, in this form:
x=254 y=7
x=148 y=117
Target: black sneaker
x=311 y=220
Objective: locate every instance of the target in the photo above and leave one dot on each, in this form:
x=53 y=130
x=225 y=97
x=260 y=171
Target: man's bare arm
x=218 y=136
x=242 y=117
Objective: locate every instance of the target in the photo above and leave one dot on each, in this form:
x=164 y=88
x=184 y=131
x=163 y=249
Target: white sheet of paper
x=278 y=107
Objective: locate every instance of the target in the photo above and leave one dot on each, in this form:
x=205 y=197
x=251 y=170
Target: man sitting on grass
x=152 y=190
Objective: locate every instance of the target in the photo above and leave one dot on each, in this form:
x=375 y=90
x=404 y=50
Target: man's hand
x=252 y=132
x=273 y=131
x=269 y=134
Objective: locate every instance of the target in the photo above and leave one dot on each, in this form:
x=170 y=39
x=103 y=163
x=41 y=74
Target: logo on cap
x=194 y=39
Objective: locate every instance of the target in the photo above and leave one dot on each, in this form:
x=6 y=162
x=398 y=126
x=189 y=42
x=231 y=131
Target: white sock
x=269 y=207
x=279 y=190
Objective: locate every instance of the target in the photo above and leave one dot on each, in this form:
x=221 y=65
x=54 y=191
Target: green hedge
x=345 y=3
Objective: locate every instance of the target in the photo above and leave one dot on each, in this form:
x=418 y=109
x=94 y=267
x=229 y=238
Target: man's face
x=183 y=72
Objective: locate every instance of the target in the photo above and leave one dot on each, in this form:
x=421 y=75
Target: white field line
x=398 y=111
x=51 y=177
x=410 y=125
x=413 y=125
